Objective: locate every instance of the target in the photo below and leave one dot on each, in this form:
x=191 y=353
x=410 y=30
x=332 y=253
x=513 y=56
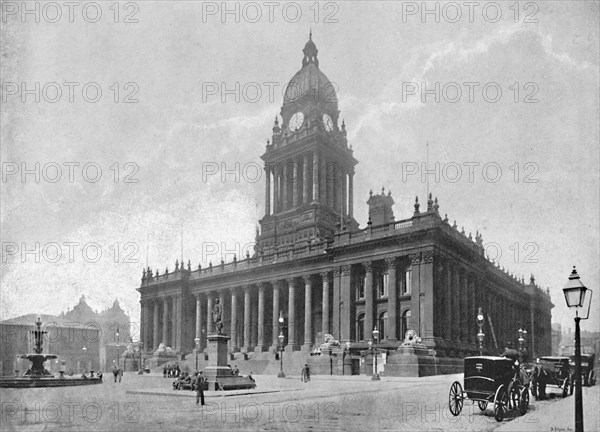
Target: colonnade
x=307 y=178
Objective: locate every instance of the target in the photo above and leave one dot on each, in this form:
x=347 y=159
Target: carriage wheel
x=566 y=385
x=514 y=398
x=482 y=405
x=500 y=402
x=592 y=378
x=524 y=400
x=455 y=398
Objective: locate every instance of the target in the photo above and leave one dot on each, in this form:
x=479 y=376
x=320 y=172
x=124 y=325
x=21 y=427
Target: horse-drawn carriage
x=588 y=376
x=551 y=370
x=490 y=380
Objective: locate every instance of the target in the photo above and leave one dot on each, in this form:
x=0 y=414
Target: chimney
x=380 y=208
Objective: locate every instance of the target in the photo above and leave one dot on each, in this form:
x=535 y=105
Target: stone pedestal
x=218 y=375
x=411 y=361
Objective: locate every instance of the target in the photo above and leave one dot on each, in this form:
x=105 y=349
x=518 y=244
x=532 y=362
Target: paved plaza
x=325 y=403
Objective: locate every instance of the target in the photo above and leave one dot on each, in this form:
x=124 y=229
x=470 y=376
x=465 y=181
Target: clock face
x=296 y=121
x=327 y=122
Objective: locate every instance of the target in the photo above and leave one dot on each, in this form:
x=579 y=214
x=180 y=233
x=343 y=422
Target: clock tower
x=308 y=164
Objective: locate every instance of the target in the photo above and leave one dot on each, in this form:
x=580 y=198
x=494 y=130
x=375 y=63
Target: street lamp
x=480 y=335
x=197 y=341
x=344 y=354
x=375 y=376
x=280 y=338
x=576 y=295
x=117 y=337
x=84 y=349
x=141 y=348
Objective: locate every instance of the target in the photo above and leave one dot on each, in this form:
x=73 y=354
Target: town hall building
x=315 y=272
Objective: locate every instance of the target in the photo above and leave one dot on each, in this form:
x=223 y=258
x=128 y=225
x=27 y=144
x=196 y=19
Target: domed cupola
x=310 y=81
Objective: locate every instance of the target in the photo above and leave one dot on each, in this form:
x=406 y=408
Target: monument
x=411 y=359
x=37 y=375
x=218 y=374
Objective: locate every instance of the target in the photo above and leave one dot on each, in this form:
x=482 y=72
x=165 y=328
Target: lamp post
x=84 y=349
x=522 y=334
x=480 y=335
x=375 y=376
x=141 y=348
x=280 y=338
x=197 y=342
x=344 y=354
x=576 y=296
x=117 y=337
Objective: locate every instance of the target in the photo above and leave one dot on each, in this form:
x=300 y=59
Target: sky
x=147 y=122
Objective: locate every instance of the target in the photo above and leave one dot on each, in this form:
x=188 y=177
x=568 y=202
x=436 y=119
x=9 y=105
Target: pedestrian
x=305 y=374
x=235 y=371
x=200 y=383
x=120 y=373
x=115 y=372
x=165 y=371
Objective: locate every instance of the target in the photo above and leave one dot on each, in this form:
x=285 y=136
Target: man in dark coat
x=200 y=383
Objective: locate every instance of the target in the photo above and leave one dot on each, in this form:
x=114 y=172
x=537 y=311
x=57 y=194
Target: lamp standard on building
x=280 y=338
x=117 y=337
x=375 y=376
x=480 y=335
x=197 y=342
x=578 y=296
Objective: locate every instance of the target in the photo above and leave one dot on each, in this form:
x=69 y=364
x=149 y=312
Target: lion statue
x=411 y=338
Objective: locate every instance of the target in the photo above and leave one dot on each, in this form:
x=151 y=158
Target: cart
x=490 y=380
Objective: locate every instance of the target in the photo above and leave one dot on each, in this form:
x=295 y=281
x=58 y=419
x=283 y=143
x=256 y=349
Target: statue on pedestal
x=216 y=312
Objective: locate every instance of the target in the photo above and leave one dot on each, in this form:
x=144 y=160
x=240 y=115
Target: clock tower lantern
x=308 y=164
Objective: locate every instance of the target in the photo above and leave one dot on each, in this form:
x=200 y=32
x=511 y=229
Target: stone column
x=344 y=192
x=276 y=328
x=307 y=313
x=368 y=297
x=276 y=197
x=415 y=295
x=261 y=319
x=315 y=176
x=143 y=321
x=305 y=180
x=392 y=299
x=449 y=299
x=247 y=318
x=234 y=321
x=165 y=332
x=174 y=319
x=179 y=324
x=351 y=194
x=427 y=314
x=331 y=168
x=284 y=184
x=456 y=302
x=291 y=346
x=295 y=183
x=324 y=180
x=210 y=302
x=156 y=338
x=345 y=291
x=267 y=191
x=325 y=303
x=198 y=320
x=337 y=301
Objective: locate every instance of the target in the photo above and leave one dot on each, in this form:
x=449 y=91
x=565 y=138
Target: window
x=360 y=289
x=406 y=285
x=406 y=324
x=383 y=285
x=382 y=325
x=360 y=327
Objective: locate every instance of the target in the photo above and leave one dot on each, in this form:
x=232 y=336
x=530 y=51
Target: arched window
x=382 y=325
x=406 y=324
x=360 y=327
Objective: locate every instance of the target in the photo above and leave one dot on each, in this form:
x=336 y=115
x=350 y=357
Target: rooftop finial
x=310 y=34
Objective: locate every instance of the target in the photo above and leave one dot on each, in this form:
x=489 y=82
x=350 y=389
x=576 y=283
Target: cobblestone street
x=325 y=403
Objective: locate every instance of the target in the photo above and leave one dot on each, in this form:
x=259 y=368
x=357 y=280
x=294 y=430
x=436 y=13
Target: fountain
x=37 y=375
